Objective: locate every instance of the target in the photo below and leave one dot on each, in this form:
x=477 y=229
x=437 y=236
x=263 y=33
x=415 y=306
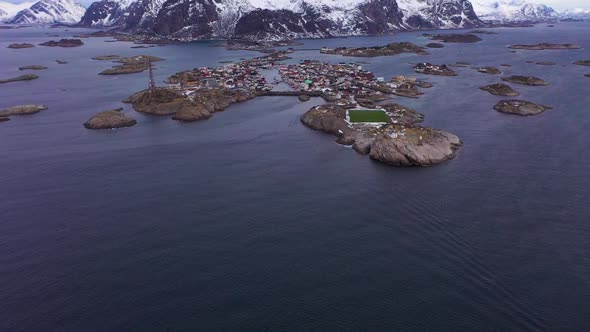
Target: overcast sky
x=556 y=4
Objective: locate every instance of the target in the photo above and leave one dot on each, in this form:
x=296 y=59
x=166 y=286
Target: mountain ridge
x=264 y=19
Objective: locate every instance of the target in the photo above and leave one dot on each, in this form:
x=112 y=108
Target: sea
x=250 y=221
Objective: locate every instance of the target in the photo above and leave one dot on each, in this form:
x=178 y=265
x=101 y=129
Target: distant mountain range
x=43 y=11
x=513 y=11
x=280 y=19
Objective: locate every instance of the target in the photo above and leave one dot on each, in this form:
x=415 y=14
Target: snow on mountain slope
x=8 y=10
x=513 y=11
x=202 y=19
x=50 y=11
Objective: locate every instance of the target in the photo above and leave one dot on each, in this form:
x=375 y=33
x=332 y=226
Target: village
x=344 y=84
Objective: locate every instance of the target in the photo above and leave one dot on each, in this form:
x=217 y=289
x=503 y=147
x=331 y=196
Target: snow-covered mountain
x=274 y=19
x=8 y=10
x=513 y=11
x=48 y=11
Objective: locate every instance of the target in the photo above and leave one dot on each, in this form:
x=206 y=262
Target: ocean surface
x=251 y=221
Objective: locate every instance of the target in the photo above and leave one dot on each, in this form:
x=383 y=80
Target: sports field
x=367 y=116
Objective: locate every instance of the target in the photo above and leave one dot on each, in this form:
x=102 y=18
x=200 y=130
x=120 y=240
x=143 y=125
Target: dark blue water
x=250 y=221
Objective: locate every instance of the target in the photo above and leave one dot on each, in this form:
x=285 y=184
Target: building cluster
x=244 y=75
x=341 y=80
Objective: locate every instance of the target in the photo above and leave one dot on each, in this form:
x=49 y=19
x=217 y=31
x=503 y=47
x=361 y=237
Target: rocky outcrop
x=22 y=110
x=582 y=63
x=489 y=70
x=399 y=142
x=198 y=106
x=63 y=43
x=21 y=45
x=110 y=120
x=525 y=80
x=158 y=101
x=545 y=46
x=500 y=89
x=128 y=65
x=304 y=98
x=189 y=112
x=417 y=147
x=26 y=77
x=430 y=69
x=520 y=107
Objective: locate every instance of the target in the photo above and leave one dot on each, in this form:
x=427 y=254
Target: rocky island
x=489 y=70
x=21 y=45
x=263 y=46
x=408 y=86
x=161 y=101
x=454 y=38
x=63 y=43
x=110 y=120
x=128 y=65
x=26 y=77
x=520 y=107
x=545 y=46
x=525 y=80
x=582 y=63
x=33 y=67
x=500 y=89
x=430 y=69
x=390 y=49
x=398 y=141
x=388 y=133
x=22 y=110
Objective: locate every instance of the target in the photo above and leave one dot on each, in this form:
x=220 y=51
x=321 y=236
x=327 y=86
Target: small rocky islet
x=489 y=70
x=525 y=80
x=454 y=38
x=520 y=107
x=22 y=110
x=110 y=120
x=63 y=43
x=32 y=67
x=582 y=63
x=375 y=51
x=500 y=89
x=20 y=45
x=127 y=65
x=545 y=46
x=431 y=69
x=26 y=77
